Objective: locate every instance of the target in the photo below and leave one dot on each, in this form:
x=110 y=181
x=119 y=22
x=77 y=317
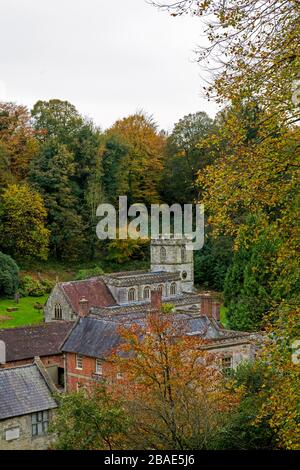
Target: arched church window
x=163 y=254
x=147 y=293
x=173 y=288
x=161 y=289
x=58 y=312
x=131 y=295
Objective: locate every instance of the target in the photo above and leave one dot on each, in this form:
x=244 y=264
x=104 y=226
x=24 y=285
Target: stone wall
x=58 y=297
x=25 y=441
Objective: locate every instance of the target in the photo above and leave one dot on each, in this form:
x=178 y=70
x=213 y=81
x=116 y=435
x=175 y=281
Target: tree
x=184 y=158
x=23 y=216
x=51 y=173
x=8 y=275
x=18 y=145
x=140 y=154
x=58 y=124
x=242 y=431
x=89 y=421
x=175 y=396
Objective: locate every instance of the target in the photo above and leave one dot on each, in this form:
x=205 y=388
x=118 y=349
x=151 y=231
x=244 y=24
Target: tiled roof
x=94 y=290
x=96 y=337
x=23 y=390
x=30 y=341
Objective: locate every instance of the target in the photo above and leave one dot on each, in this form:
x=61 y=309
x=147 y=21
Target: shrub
x=87 y=273
x=35 y=288
x=9 y=278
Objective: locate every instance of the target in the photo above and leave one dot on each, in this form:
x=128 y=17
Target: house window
x=163 y=254
x=227 y=364
x=147 y=293
x=99 y=369
x=39 y=423
x=131 y=295
x=79 y=362
x=58 y=312
x=173 y=288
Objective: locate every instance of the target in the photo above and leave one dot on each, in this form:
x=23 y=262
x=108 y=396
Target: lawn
x=25 y=315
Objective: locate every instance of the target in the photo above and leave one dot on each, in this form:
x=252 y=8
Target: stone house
x=22 y=345
x=26 y=407
x=95 y=335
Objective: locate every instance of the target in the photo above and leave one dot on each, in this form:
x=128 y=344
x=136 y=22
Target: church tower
x=174 y=255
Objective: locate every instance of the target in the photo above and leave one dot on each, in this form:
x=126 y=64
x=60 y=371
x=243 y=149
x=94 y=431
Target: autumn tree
x=18 y=145
x=134 y=154
x=175 y=395
x=23 y=216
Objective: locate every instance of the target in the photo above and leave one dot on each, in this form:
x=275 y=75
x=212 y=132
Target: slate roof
x=93 y=289
x=23 y=390
x=97 y=337
x=130 y=278
x=38 y=340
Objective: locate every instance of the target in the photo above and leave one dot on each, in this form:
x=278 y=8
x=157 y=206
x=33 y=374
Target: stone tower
x=174 y=255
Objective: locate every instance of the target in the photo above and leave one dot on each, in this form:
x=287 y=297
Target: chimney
x=83 y=307
x=216 y=306
x=156 y=301
x=206 y=305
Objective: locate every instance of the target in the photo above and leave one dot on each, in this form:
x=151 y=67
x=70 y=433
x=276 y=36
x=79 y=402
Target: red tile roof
x=94 y=290
x=38 y=340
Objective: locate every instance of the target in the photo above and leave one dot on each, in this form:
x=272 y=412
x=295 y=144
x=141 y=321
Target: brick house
x=22 y=345
x=94 y=336
x=26 y=407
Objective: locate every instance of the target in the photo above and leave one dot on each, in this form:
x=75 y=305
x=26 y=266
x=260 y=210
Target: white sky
x=107 y=57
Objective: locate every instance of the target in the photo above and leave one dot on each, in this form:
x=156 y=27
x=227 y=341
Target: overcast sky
x=107 y=57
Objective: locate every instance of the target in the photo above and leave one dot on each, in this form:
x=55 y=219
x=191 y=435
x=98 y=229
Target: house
x=26 y=407
x=171 y=271
x=96 y=335
x=22 y=345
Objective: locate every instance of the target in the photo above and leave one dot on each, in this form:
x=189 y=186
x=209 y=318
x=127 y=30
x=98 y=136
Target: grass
x=25 y=315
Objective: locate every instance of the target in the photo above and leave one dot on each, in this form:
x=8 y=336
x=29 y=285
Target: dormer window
x=131 y=295
x=163 y=254
x=58 y=312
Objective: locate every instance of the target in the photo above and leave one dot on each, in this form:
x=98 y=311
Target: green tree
x=9 y=279
x=89 y=421
x=23 y=216
x=184 y=158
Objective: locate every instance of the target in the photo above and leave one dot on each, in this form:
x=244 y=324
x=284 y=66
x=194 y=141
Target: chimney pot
x=83 y=307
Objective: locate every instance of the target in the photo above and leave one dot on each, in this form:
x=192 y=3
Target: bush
x=35 y=288
x=9 y=275
x=87 y=273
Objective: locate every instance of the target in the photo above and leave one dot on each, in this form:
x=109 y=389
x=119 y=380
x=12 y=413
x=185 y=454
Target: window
x=163 y=254
x=147 y=293
x=173 y=288
x=161 y=289
x=119 y=375
x=184 y=274
x=131 y=295
x=58 y=312
x=39 y=423
x=79 y=362
x=99 y=370
x=227 y=365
